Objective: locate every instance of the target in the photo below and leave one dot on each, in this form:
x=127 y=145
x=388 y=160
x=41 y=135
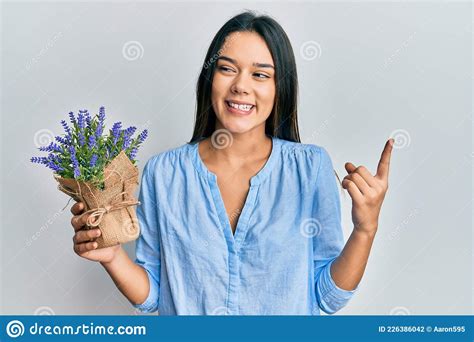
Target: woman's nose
x=240 y=86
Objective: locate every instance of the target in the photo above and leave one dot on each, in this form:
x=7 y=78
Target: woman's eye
x=261 y=75
x=227 y=69
x=223 y=68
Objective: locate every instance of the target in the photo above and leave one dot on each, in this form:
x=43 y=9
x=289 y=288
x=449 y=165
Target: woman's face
x=243 y=88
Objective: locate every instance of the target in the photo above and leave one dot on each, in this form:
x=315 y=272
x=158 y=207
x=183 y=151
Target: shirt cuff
x=330 y=296
x=151 y=303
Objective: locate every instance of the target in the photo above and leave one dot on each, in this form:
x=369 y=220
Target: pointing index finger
x=384 y=163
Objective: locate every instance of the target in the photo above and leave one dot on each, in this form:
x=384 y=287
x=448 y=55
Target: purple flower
x=84 y=145
x=54 y=166
x=102 y=114
x=53 y=161
x=75 y=163
x=72 y=151
x=88 y=120
x=93 y=160
x=126 y=136
x=82 y=139
x=116 y=131
x=56 y=158
x=52 y=147
x=72 y=118
x=133 y=153
x=143 y=135
x=39 y=160
x=100 y=126
x=92 y=141
x=80 y=124
x=67 y=130
x=61 y=140
x=80 y=119
x=98 y=131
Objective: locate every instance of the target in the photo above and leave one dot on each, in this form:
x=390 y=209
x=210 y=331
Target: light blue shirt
x=278 y=262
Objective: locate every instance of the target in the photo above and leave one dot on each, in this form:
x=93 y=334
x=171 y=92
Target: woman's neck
x=224 y=147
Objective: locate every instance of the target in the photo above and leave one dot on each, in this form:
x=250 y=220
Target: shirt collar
x=255 y=180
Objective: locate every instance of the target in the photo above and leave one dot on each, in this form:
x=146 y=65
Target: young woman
x=244 y=219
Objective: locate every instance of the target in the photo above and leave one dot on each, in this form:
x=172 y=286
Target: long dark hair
x=283 y=120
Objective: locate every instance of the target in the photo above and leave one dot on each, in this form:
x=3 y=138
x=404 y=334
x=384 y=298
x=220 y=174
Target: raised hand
x=367 y=191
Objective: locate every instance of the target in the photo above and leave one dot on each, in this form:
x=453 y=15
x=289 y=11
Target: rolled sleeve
x=148 y=245
x=331 y=297
x=329 y=242
x=151 y=303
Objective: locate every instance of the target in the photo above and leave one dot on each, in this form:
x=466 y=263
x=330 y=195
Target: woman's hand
x=84 y=239
x=367 y=191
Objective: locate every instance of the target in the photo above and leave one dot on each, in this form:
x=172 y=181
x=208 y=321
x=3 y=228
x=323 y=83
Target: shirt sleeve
x=328 y=241
x=147 y=245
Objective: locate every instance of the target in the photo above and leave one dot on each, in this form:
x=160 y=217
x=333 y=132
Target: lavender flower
x=98 y=131
x=39 y=160
x=100 y=126
x=92 y=141
x=83 y=151
x=52 y=147
x=75 y=163
x=61 y=140
x=82 y=139
x=80 y=119
x=143 y=135
x=54 y=167
x=133 y=153
x=80 y=124
x=56 y=158
x=93 y=160
x=67 y=130
x=126 y=136
x=116 y=130
x=88 y=120
x=102 y=114
x=72 y=118
x=52 y=163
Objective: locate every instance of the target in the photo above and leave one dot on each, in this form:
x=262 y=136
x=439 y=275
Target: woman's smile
x=239 y=108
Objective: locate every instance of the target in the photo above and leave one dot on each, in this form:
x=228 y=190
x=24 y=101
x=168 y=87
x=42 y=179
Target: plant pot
x=112 y=209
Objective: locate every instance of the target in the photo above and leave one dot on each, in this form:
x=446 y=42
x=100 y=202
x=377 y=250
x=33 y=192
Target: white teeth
x=241 y=107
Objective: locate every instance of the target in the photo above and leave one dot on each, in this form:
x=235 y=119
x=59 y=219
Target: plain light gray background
x=367 y=71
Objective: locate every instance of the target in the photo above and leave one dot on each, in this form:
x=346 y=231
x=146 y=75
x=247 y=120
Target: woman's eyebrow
x=233 y=61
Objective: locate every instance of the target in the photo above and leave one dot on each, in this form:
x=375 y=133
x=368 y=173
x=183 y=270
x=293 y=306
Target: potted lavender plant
x=100 y=171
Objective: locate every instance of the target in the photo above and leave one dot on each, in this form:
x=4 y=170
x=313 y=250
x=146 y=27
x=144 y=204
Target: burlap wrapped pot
x=112 y=210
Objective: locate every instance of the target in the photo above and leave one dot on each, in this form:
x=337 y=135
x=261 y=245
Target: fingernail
x=391 y=142
x=97 y=233
x=95 y=245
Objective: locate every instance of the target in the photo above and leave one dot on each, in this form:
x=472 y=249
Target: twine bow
x=96 y=214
